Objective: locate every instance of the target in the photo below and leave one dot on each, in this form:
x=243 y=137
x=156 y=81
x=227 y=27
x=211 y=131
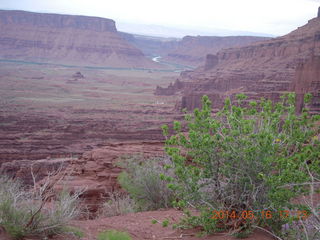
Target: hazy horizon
x=180 y=18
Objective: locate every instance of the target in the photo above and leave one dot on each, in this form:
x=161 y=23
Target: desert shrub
x=118 y=204
x=308 y=228
x=249 y=158
x=77 y=232
x=113 y=235
x=28 y=212
x=144 y=180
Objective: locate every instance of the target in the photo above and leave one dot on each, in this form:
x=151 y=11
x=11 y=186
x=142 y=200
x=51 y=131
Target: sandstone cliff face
x=23 y=169
x=263 y=69
x=66 y=39
x=192 y=50
x=307 y=80
x=97 y=170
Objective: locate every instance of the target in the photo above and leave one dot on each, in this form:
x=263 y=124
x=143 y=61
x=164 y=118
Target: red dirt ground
x=140 y=227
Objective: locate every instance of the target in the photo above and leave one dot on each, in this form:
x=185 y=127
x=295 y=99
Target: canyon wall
x=262 y=69
x=67 y=39
x=152 y=46
x=307 y=80
x=96 y=171
x=192 y=50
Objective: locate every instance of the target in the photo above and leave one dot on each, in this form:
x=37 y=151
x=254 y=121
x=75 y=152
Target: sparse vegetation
x=250 y=157
x=307 y=228
x=35 y=212
x=118 y=204
x=165 y=223
x=144 y=180
x=113 y=235
x=73 y=231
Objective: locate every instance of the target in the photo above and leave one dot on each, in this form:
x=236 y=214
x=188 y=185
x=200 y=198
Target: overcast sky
x=276 y=17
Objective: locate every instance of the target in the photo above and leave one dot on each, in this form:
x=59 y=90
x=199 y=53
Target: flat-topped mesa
x=57 y=21
x=66 y=39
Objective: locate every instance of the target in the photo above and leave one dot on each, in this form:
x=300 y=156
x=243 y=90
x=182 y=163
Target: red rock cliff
x=307 y=80
x=192 y=50
x=263 y=69
x=66 y=39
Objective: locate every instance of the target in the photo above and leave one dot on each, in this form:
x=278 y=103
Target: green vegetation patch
x=113 y=235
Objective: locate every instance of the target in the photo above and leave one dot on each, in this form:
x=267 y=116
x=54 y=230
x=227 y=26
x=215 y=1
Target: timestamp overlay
x=251 y=215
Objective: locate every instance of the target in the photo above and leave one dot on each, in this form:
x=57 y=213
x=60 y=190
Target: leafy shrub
x=118 y=204
x=144 y=180
x=24 y=213
x=113 y=235
x=249 y=157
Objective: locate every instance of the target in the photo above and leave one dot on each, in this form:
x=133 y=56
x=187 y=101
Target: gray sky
x=276 y=17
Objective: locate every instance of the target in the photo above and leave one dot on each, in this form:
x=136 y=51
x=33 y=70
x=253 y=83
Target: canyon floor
x=49 y=111
x=140 y=227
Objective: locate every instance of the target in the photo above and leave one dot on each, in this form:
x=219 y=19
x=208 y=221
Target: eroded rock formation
x=307 y=80
x=211 y=62
x=150 y=45
x=97 y=172
x=40 y=169
x=192 y=50
x=170 y=90
x=263 y=69
x=67 y=39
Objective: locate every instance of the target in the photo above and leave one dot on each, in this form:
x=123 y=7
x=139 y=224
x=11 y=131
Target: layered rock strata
x=97 y=170
x=265 y=69
x=192 y=50
x=66 y=39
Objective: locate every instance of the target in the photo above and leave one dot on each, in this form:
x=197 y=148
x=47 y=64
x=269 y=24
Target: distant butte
x=264 y=69
x=66 y=39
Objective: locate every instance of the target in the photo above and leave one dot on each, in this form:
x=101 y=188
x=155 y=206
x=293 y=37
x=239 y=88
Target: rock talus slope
x=67 y=39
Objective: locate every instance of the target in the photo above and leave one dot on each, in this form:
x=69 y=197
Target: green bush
x=251 y=156
x=144 y=180
x=113 y=235
x=27 y=212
